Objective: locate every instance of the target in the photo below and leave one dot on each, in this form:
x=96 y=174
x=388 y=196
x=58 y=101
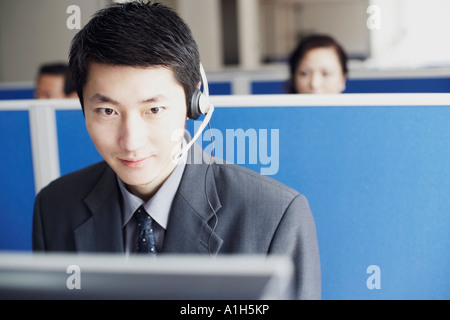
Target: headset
x=200 y=104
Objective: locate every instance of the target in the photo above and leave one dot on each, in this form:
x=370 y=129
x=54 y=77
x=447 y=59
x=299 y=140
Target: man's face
x=131 y=115
x=50 y=86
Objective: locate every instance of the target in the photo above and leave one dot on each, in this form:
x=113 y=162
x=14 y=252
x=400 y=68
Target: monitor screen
x=166 y=277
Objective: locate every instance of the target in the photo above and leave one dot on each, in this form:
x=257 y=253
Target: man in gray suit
x=136 y=68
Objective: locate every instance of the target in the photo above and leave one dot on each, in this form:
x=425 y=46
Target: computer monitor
x=165 y=277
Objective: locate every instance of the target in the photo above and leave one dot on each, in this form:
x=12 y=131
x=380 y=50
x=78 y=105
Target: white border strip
x=56 y=104
x=338 y=100
x=44 y=145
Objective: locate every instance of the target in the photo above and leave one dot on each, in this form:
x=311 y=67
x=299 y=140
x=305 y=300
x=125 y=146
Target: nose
x=133 y=133
x=315 y=81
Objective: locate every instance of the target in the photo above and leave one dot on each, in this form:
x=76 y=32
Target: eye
x=107 y=111
x=302 y=73
x=155 y=110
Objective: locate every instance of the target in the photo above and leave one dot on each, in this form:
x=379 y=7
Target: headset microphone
x=200 y=104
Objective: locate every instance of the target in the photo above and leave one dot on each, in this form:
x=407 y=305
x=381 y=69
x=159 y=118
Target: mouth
x=135 y=163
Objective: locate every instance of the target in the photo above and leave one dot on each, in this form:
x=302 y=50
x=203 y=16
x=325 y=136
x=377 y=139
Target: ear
x=199 y=85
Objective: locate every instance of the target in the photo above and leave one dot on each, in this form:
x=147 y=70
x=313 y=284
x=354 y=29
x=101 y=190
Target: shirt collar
x=158 y=207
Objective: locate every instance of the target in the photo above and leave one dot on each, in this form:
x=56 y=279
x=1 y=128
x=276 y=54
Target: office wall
x=204 y=19
x=410 y=34
x=34 y=32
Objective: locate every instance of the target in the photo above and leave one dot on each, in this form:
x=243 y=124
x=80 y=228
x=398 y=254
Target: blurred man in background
x=53 y=82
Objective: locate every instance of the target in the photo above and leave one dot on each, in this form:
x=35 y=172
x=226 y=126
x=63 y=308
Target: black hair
x=309 y=43
x=69 y=85
x=57 y=68
x=137 y=34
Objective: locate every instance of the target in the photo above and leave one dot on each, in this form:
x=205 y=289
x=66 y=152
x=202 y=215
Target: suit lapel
x=189 y=227
x=102 y=232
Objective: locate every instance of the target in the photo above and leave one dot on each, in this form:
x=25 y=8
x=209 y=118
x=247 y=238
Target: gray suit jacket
x=81 y=212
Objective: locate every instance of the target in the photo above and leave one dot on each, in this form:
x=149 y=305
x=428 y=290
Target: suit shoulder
x=246 y=180
x=80 y=181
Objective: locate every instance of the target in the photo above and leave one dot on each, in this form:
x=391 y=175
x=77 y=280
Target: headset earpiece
x=200 y=103
x=194 y=107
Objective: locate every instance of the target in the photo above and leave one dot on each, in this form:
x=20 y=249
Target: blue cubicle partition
x=16 y=93
x=16 y=181
x=368 y=85
x=378 y=183
x=75 y=147
x=220 y=88
x=399 y=85
x=377 y=179
x=387 y=85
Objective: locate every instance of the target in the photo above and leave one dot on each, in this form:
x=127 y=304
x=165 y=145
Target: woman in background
x=318 y=65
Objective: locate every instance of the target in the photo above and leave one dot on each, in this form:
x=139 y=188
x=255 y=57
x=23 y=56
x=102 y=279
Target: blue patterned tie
x=146 y=238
